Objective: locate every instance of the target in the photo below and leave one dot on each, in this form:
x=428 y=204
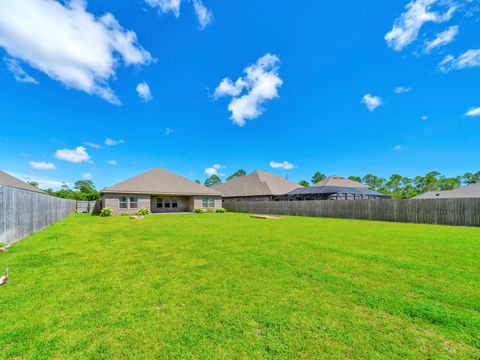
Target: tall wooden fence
x=23 y=212
x=461 y=212
x=88 y=206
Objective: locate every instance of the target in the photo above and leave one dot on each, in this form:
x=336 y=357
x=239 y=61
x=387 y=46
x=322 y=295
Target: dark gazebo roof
x=333 y=190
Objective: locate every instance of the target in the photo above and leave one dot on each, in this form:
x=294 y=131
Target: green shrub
x=200 y=211
x=106 y=211
x=143 y=212
x=210 y=211
x=221 y=210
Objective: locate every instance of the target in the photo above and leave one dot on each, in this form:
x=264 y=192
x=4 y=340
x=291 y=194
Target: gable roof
x=340 y=182
x=257 y=183
x=471 y=191
x=158 y=182
x=9 y=180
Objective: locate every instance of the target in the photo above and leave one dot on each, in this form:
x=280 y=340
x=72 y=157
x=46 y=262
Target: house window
x=159 y=203
x=133 y=202
x=208 y=202
x=123 y=202
x=174 y=203
x=166 y=203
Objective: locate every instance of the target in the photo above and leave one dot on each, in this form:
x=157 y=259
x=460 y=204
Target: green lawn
x=218 y=286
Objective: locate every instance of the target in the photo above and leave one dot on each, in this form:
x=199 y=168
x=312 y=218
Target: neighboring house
x=256 y=186
x=471 y=191
x=334 y=188
x=9 y=180
x=160 y=191
x=340 y=182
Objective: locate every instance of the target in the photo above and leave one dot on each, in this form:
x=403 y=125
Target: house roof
x=257 y=183
x=9 y=180
x=340 y=182
x=471 y=191
x=158 y=182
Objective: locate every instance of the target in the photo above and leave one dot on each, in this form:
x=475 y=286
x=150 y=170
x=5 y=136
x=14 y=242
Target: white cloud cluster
x=68 y=43
x=469 y=59
x=372 y=102
x=77 y=155
x=87 y=176
x=402 y=89
x=94 y=145
x=143 y=90
x=398 y=148
x=41 y=165
x=112 y=142
x=474 y=112
x=18 y=72
x=204 y=15
x=285 y=165
x=261 y=83
x=424 y=117
x=214 y=170
x=43 y=183
x=442 y=39
x=112 y=162
x=417 y=12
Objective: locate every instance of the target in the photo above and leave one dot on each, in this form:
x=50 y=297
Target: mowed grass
x=225 y=286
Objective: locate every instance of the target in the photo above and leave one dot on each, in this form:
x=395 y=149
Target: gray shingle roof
x=257 y=183
x=471 y=191
x=340 y=182
x=158 y=182
x=9 y=180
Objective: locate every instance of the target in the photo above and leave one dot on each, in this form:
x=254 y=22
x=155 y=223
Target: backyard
x=211 y=286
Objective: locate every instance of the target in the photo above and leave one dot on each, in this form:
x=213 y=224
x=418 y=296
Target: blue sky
x=320 y=96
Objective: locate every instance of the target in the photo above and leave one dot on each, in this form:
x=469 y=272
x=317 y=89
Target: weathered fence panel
x=88 y=206
x=461 y=212
x=23 y=212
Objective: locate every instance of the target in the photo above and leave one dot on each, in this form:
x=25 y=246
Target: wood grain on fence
x=23 y=212
x=461 y=212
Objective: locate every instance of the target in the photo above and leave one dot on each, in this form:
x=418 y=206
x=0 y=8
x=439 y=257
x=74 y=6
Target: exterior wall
x=113 y=201
x=249 y=198
x=196 y=202
x=183 y=203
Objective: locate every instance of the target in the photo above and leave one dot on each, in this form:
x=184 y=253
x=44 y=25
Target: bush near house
x=143 y=212
x=106 y=211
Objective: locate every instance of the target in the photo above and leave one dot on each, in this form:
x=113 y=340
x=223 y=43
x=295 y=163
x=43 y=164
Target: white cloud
x=474 y=112
x=204 y=15
x=424 y=117
x=112 y=162
x=166 y=5
x=168 y=131
x=372 y=102
x=398 y=148
x=261 y=83
x=43 y=183
x=41 y=165
x=468 y=59
x=144 y=92
x=87 y=176
x=214 y=170
x=18 y=72
x=112 y=142
x=402 y=89
x=93 y=145
x=77 y=155
x=285 y=165
x=417 y=12
x=69 y=44
x=442 y=39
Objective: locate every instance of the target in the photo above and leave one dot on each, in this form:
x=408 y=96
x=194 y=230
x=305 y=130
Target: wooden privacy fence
x=461 y=212
x=23 y=212
x=88 y=206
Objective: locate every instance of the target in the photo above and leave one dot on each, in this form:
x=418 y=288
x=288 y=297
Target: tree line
x=396 y=186
x=83 y=190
